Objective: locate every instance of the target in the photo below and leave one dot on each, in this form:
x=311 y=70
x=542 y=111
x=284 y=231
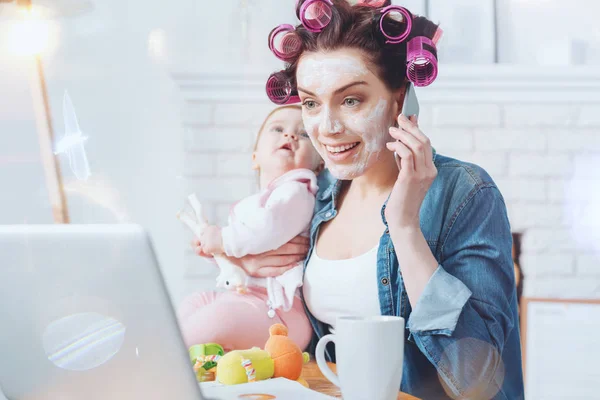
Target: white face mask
x=334 y=122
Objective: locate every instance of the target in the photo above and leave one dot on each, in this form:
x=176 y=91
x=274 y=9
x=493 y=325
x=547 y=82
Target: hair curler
x=315 y=15
x=407 y=20
x=437 y=36
x=421 y=61
x=280 y=90
x=284 y=42
x=371 y=3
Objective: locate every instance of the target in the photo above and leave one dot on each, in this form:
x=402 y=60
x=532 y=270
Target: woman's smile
x=341 y=152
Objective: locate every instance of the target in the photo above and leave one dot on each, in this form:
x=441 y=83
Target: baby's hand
x=197 y=246
x=211 y=240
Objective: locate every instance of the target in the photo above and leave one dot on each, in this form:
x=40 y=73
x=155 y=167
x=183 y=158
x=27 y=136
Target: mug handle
x=321 y=363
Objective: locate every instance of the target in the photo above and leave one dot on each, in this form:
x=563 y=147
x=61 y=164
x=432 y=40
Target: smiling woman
x=362 y=118
x=427 y=237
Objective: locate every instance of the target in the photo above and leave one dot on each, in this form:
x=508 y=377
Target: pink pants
x=238 y=321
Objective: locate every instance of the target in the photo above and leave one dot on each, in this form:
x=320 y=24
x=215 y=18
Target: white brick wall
x=542 y=149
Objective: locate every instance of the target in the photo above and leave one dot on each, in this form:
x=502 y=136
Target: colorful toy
x=285 y=353
x=281 y=358
x=243 y=366
x=202 y=350
x=204 y=358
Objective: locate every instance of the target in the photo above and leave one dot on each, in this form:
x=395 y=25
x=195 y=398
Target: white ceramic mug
x=369 y=357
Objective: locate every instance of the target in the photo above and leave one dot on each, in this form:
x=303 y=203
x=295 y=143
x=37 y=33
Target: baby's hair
x=262 y=127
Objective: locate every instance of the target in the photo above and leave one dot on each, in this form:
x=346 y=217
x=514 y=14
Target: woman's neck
x=378 y=180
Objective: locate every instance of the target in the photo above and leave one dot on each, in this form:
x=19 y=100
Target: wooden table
x=319 y=383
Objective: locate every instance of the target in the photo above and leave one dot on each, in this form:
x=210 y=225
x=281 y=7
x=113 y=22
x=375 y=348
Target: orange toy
x=287 y=356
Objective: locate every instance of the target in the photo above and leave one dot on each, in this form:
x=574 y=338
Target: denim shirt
x=462 y=337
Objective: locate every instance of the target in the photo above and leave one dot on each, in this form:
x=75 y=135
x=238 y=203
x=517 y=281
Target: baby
x=240 y=318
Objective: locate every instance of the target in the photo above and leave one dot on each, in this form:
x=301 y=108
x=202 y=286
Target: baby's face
x=284 y=144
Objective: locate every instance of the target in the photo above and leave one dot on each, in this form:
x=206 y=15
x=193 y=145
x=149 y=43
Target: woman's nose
x=328 y=125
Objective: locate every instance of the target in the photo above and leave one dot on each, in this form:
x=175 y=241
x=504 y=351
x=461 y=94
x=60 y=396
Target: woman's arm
x=415 y=257
x=416 y=174
x=462 y=316
x=462 y=308
x=271 y=263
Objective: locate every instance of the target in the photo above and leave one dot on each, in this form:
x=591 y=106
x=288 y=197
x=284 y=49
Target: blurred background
x=169 y=96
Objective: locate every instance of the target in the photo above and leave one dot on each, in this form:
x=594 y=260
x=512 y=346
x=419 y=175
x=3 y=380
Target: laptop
x=85 y=314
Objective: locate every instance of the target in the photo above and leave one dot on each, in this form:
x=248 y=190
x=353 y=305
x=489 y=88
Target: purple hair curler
x=407 y=16
x=280 y=90
x=315 y=15
x=421 y=61
x=284 y=42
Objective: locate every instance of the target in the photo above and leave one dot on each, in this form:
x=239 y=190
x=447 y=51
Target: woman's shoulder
x=458 y=182
x=466 y=174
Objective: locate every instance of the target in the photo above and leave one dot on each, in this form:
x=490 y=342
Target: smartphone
x=411 y=104
x=409 y=108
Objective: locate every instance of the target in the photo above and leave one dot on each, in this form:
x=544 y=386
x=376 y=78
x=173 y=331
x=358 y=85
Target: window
x=525 y=32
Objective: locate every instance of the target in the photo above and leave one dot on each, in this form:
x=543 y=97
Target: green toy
x=202 y=350
x=204 y=357
x=242 y=366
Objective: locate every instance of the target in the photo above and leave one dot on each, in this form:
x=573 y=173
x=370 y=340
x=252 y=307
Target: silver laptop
x=84 y=314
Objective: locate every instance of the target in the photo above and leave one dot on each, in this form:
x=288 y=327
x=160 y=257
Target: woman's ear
x=399 y=95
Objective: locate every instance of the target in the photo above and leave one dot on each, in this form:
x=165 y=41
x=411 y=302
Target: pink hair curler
x=371 y=3
x=315 y=15
x=407 y=19
x=284 y=42
x=437 y=36
x=421 y=61
x=280 y=90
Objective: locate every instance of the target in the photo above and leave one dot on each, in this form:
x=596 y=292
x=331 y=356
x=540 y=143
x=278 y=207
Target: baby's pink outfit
x=259 y=223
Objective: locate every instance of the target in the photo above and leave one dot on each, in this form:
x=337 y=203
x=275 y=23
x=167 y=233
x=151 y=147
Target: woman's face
x=347 y=110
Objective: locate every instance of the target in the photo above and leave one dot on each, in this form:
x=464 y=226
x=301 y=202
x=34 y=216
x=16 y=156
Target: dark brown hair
x=357 y=26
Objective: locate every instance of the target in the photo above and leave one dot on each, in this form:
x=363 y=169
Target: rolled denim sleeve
x=464 y=318
x=440 y=304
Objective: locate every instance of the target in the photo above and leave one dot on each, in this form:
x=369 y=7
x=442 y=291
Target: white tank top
x=347 y=287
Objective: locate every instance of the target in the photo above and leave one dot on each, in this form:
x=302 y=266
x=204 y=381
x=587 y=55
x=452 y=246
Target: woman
x=427 y=239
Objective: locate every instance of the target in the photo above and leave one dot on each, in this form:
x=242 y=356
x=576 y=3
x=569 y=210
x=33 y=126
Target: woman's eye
x=309 y=104
x=350 y=102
